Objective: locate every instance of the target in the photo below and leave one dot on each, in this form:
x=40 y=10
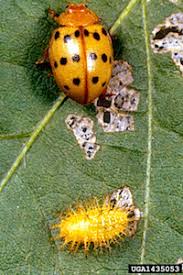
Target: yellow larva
x=99 y=224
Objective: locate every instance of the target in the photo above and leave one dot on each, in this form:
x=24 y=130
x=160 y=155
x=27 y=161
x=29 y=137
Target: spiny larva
x=99 y=224
x=80 y=53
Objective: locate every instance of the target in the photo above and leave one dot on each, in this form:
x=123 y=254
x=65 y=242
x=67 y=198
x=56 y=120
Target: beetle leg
x=53 y=14
x=50 y=74
x=44 y=58
x=103 y=93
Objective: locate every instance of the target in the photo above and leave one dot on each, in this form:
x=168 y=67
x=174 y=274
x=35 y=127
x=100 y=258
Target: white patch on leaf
x=82 y=128
x=123 y=199
x=115 y=122
x=168 y=37
x=113 y=108
x=175 y=1
x=179 y=261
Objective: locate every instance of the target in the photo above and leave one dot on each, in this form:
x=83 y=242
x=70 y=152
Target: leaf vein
x=15 y=136
x=149 y=141
x=31 y=140
x=125 y=12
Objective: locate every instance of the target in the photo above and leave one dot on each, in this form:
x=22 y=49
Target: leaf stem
x=122 y=16
x=149 y=141
x=41 y=125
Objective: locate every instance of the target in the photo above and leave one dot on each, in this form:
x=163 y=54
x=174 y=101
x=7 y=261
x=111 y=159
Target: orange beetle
x=80 y=53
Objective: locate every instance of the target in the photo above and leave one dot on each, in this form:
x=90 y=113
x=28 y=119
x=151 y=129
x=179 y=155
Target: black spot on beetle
x=103 y=84
x=76 y=58
x=86 y=32
x=93 y=56
x=76 y=81
x=66 y=87
x=95 y=79
x=63 y=60
x=96 y=35
x=67 y=38
x=77 y=33
x=104 y=57
x=104 y=31
x=55 y=64
x=110 y=60
x=57 y=34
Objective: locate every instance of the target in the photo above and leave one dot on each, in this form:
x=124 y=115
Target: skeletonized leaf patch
x=168 y=37
x=82 y=128
x=115 y=107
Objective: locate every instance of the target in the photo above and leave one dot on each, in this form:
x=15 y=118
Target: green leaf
x=43 y=170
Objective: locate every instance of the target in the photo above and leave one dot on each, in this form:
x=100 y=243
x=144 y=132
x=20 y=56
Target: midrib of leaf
x=117 y=23
x=149 y=140
x=38 y=129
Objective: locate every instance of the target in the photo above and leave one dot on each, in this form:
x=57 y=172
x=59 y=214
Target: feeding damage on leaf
x=115 y=107
x=168 y=37
x=175 y=1
x=180 y=261
x=82 y=128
